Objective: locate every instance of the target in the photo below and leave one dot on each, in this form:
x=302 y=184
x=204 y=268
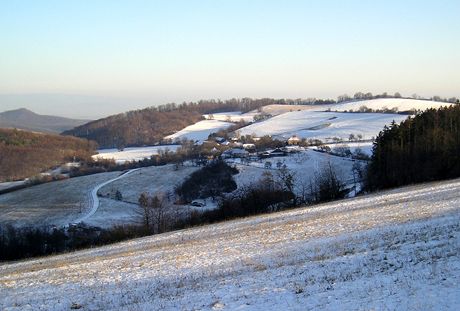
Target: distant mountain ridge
x=28 y=120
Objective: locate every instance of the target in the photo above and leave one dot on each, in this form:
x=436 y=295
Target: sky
x=86 y=58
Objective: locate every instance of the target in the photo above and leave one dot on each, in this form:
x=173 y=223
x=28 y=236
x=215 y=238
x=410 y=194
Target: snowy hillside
x=199 y=131
x=311 y=121
x=393 y=250
x=322 y=125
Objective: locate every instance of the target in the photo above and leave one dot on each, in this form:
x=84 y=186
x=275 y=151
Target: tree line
x=366 y=96
x=26 y=242
x=422 y=148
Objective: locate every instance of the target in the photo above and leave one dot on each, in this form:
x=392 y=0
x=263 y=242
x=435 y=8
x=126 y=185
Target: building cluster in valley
x=235 y=148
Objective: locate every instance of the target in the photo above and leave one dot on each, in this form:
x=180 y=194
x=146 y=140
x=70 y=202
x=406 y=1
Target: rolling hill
x=135 y=128
x=24 y=154
x=28 y=120
x=328 y=121
x=149 y=126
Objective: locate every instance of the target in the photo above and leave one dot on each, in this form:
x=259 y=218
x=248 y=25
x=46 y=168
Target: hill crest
x=26 y=119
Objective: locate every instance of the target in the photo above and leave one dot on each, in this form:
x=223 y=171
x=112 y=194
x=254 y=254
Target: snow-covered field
x=155 y=180
x=233 y=116
x=322 y=125
x=73 y=200
x=401 y=104
x=395 y=250
x=151 y=180
x=200 y=130
x=133 y=153
x=94 y=203
x=54 y=203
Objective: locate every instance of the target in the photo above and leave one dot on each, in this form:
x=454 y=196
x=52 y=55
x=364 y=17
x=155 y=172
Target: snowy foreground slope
x=393 y=250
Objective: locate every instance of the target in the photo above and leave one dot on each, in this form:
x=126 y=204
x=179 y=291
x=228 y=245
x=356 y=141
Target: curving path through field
x=93 y=198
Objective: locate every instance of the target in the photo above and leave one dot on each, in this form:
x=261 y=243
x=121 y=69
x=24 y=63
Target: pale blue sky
x=129 y=54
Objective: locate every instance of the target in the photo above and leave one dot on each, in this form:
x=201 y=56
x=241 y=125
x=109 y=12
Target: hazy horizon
x=102 y=106
x=91 y=59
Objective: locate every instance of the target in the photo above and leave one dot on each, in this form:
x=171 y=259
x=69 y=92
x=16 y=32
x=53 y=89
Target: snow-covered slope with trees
x=398 y=249
x=313 y=121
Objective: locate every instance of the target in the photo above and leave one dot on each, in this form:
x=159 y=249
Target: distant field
x=200 y=130
x=322 y=125
x=155 y=179
x=133 y=153
x=401 y=104
x=59 y=203
x=234 y=116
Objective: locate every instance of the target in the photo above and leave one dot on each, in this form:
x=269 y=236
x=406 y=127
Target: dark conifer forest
x=422 y=148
